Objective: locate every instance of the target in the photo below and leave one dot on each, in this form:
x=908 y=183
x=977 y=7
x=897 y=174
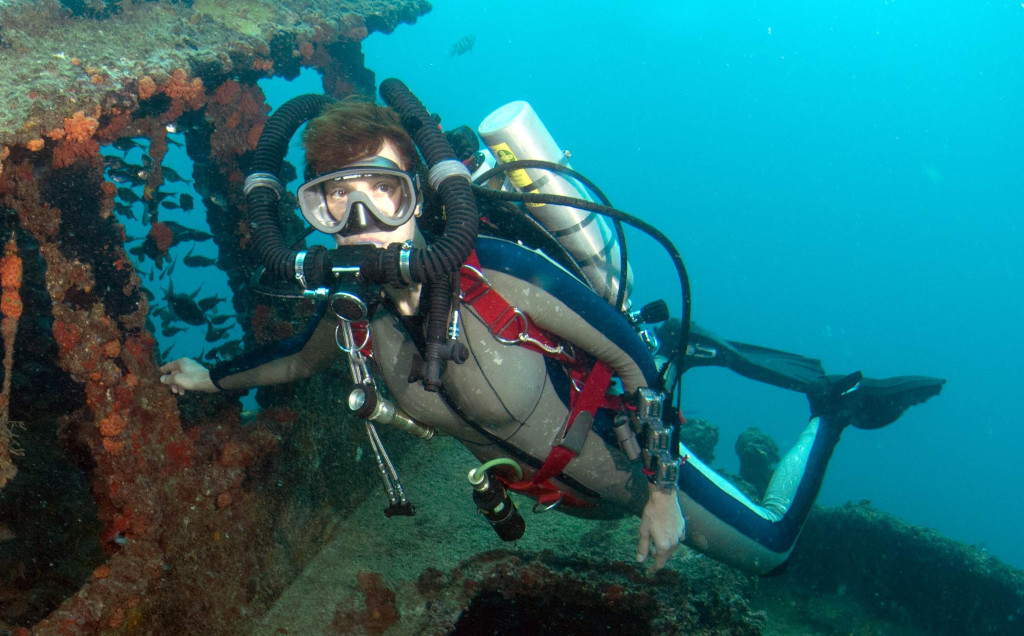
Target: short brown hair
x=350 y=130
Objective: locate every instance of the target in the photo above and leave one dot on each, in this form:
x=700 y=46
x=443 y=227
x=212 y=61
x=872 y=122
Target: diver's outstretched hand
x=662 y=524
x=185 y=374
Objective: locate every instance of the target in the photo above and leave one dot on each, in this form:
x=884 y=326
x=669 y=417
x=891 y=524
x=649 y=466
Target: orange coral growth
x=112 y=425
x=224 y=500
x=101 y=572
x=78 y=127
x=112 y=446
x=147 y=87
x=162 y=235
x=111 y=348
x=253 y=136
x=227 y=93
x=35 y=145
x=10 y=267
x=181 y=87
x=71 y=151
x=10 y=306
x=67 y=335
x=179 y=453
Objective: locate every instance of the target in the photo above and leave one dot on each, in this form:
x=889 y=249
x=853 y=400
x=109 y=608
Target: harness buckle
x=573 y=434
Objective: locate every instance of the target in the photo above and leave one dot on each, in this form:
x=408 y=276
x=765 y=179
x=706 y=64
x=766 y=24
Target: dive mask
x=371 y=195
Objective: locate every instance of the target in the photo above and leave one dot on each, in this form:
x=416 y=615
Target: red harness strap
x=507 y=322
x=511 y=326
x=569 y=442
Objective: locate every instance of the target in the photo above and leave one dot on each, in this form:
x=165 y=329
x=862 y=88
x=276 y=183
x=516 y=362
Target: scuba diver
x=541 y=373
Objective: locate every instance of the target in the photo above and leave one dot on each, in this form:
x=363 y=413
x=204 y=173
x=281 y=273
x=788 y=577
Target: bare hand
x=185 y=374
x=662 y=524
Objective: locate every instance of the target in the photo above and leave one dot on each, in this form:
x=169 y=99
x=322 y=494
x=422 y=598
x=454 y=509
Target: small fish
x=170 y=204
x=463 y=46
x=184 y=306
x=115 y=163
x=124 y=144
x=198 y=261
x=171 y=330
x=172 y=176
x=220 y=320
x=206 y=304
x=213 y=334
x=185 y=233
x=227 y=350
x=118 y=177
x=186 y=202
x=124 y=210
x=128 y=195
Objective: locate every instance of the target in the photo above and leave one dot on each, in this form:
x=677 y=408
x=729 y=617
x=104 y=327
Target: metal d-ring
x=337 y=340
x=523 y=331
x=538 y=508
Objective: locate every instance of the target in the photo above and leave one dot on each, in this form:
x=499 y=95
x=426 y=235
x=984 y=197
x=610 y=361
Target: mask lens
x=343 y=198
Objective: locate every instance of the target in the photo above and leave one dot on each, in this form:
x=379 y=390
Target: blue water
x=844 y=180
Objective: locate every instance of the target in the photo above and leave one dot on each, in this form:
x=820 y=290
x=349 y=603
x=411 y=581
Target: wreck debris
x=189 y=508
x=11 y=308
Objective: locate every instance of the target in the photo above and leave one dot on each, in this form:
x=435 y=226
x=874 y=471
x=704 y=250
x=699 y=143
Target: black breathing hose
x=263 y=192
x=437 y=264
x=452 y=248
x=679 y=354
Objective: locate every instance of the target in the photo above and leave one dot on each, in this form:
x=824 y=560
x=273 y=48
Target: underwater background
x=843 y=179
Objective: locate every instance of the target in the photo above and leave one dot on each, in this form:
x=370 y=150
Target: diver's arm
x=277 y=364
x=661 y=525
x=316 y=354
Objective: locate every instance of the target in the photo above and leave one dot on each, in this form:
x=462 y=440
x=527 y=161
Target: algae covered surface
x=56 y=62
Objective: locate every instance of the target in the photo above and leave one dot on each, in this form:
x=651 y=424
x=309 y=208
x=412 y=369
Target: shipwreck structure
x=118 y=512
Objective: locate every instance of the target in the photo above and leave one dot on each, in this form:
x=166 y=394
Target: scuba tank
x=514 y=132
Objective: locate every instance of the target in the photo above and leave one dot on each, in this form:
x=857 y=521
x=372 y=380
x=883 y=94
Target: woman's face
x=385 y=194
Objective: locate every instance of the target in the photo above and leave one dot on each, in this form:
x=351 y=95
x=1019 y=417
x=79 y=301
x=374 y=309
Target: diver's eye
x=337 y=192
x=385 y=187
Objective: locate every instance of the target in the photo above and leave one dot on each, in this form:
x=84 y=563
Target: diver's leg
x=726 y=525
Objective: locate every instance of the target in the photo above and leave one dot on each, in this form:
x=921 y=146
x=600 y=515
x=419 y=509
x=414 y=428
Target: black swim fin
x=854 y=400
x=771 y=366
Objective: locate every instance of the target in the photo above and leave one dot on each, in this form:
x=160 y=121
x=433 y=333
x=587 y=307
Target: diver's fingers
x=662 y=555
x=172 y=367
x=645 y=541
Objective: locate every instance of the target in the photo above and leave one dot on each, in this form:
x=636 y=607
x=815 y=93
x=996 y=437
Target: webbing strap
x=569 y=442
x=507 y=322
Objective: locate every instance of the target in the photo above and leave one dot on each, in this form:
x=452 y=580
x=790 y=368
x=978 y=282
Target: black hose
x=620 y=235
x=452 y=248
x=263 y=199
x=679 y=354
x=436 y=264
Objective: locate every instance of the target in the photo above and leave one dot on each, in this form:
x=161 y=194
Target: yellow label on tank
x=519 y=177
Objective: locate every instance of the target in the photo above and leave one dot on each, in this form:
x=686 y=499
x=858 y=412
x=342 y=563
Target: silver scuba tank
x=514 y=132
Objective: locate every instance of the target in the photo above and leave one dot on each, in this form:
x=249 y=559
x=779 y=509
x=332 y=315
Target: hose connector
x=446 y=169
